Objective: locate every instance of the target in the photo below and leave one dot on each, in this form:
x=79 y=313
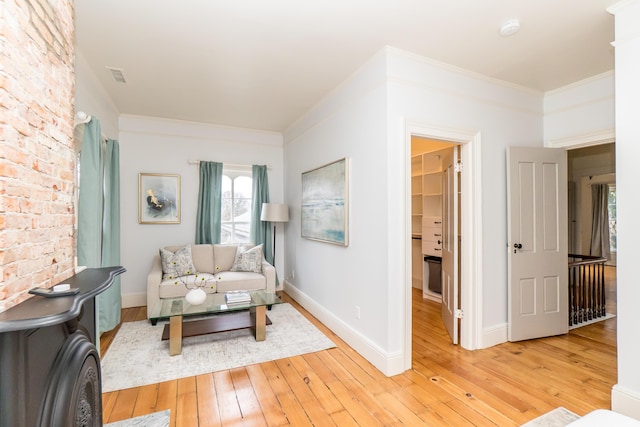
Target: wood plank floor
x=505 y=385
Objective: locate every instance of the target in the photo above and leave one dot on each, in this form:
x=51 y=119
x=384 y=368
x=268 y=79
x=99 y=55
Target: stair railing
x=586 y=288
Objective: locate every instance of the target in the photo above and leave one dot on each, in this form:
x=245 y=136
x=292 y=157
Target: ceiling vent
x=117 y=74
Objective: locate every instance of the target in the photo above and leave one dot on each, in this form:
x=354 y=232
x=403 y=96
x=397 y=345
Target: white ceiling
x=261 y=64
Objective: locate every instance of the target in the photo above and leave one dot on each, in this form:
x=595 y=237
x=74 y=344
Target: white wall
x=581 y=113
x=433 y=94
x=332 y=280
x=91 y=98
x=365 y=119
x=625 y=397
x=150 y=145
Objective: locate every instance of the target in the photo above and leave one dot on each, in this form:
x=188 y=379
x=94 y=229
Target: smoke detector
x=510 y=27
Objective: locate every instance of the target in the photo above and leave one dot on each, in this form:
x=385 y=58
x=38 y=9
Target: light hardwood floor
x=505 y=385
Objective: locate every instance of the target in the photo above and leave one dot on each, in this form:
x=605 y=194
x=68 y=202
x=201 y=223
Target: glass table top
x=214 y=304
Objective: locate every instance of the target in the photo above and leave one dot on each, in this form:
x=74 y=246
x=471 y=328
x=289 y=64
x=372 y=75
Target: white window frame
x=232 y=174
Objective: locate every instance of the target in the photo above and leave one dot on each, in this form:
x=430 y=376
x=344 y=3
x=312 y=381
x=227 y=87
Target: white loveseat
x=213 y=263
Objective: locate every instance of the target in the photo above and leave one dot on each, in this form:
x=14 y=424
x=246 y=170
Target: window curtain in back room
x=98 y=238
x=209 y=213
x=260 y=230
x=600 y=244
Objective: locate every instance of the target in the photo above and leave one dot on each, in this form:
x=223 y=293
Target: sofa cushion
x=176 y=263
x=248 y=259
x=240 y=281
x=203 y=258
x=174 y=288
x=223 y=256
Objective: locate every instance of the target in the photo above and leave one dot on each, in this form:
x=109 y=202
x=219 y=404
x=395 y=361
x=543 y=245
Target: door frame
x=471 y=229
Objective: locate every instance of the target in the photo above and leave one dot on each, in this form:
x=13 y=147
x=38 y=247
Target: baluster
x=603 y=297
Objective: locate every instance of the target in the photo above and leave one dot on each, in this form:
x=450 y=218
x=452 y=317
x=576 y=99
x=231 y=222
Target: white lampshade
x=274 y=212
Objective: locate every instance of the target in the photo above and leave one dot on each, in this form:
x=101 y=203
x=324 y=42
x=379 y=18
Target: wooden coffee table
x=219 y=317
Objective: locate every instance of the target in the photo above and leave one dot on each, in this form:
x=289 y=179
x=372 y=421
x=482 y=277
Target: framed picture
x=158 y=198
x=325 y=203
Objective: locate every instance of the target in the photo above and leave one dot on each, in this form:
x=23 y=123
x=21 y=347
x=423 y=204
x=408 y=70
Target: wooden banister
x=586 y=288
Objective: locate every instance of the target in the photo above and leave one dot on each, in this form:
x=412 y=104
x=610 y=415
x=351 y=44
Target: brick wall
x=36 y=146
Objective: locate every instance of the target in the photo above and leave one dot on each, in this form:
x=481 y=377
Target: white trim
x=494 y=335
x=580 y=83
x=134 y=300
x=388 y=363
x=625 y=401
x=471 y=296
x=585 y=140
x=130 y=123
x=459 y=70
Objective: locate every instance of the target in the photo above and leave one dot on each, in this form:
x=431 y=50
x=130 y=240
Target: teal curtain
x=89 y=240
x=209 y=213
x=110 y=301
x=260 y=230
x=98 y=240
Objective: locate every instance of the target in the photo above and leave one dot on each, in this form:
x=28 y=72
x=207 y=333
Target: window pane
x=236 y=209
x=242 y=232
x=242 y=199
x=225 y=234
x=226 y=186
x=242 y=187
x=226 y=198
x=226 y=210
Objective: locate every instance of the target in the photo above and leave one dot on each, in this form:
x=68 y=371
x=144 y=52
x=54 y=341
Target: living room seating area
x=215 y=268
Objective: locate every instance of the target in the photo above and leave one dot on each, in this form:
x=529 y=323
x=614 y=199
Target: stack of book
x=237 y=297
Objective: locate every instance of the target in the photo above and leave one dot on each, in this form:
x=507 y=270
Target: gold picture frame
x=158 y=198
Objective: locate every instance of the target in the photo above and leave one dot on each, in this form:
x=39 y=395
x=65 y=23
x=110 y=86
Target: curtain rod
x=227 y=165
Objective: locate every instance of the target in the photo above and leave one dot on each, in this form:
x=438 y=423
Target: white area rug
x=559 y=417
x=157 y=419
x=137 y=356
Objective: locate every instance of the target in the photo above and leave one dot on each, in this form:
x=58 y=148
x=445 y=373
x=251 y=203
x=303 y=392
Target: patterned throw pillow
x=176 y=264
x=248 y=259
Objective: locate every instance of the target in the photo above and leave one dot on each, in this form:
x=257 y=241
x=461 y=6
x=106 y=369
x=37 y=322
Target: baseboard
x=494 y=335
x=134 y=300
x=625 y=401
x=388 y=363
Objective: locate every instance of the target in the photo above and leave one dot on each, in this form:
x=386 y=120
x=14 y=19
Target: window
x=236 y=207
x=613 y=225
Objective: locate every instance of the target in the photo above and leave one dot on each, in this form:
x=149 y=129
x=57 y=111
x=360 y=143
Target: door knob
x=517 y=246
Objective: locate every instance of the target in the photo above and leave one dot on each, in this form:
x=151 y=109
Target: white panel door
x=537 y=242
x=450 y=279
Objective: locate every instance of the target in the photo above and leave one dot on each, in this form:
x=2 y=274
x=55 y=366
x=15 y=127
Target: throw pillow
x=248 y=259
x=176 y=264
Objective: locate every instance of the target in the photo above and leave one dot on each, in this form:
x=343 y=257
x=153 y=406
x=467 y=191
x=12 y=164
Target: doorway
x=435 y=226
x=528 y=166
x=469 y=274
x=588 y=167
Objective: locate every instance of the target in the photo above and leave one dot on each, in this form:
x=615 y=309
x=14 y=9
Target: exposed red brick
x=37 y=158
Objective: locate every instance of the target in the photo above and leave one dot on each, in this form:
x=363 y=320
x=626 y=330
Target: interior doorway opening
x=589 y=167
x=470 y=271
x=435 y=227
